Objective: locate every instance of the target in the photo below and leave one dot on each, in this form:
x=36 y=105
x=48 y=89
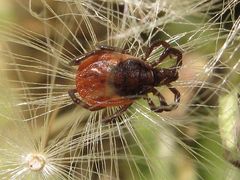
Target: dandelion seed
x=35 y=162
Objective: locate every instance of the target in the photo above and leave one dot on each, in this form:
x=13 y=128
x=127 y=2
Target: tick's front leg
x=154 y=45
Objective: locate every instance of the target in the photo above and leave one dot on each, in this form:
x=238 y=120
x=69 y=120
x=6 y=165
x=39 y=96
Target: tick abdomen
x=132 y=77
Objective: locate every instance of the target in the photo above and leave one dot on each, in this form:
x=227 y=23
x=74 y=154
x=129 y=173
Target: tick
x=109 y=76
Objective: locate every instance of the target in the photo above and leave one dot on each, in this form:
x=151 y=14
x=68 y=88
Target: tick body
x=109 y=77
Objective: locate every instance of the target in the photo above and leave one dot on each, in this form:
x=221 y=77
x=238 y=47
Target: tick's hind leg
x=76 y=61
x=76 y=100
x=111 y=48
x=116 y=114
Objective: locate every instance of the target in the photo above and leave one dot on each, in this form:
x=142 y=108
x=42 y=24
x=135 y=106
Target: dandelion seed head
x=35 y=162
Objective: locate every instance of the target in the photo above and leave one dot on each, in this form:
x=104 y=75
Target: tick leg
x=76 y=100
x=163 y=104
x=167 y=52
x=176 y=93
x=76 y=61
x=178 y=54
x=116 y=114
x=154 y=45
x=111 y=48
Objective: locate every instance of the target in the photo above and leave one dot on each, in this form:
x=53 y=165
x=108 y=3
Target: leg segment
x=176 y=93
x=108 y=119
x=116 y=114
x=163 y=104
x=154 y=45
x=167 y=52
x=111 y=48
x=78 y=59
x=178 y=54
x=76 y=100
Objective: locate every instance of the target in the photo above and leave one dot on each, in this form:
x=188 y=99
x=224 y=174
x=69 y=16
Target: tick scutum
x=132 y=77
